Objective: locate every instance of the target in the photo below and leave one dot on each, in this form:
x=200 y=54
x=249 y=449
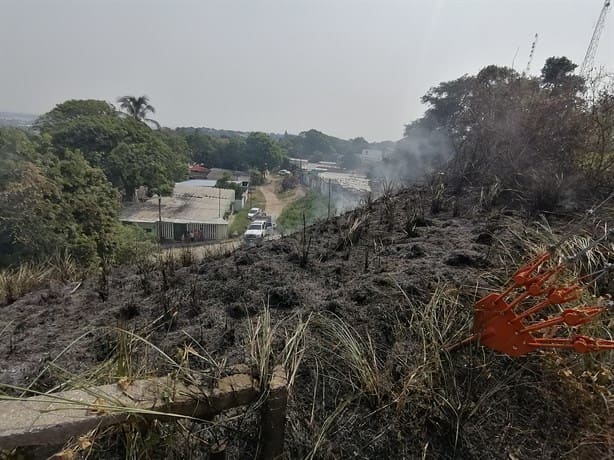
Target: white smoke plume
x=419 y=153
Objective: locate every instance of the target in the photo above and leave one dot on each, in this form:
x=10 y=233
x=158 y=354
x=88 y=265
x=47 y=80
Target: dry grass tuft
x=353 y=355
x=16 y=282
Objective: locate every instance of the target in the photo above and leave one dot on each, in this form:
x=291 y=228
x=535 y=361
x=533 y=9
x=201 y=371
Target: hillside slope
x=381 y=291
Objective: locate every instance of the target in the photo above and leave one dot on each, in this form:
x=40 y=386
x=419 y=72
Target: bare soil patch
x=276 y=204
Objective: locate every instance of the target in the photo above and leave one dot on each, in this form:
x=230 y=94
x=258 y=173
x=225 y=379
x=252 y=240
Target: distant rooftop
x=196 y=183
x=217 y=173
x=319 y=166
x=353 y=182
x=198 y=169
x=189 y=204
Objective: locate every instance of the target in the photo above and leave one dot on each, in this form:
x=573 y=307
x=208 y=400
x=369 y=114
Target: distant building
x=198 y=172
x=329 y=164
x=238 y=203
x=306 y=165
x=346 y=190
x=298 y=162
x=194 y=208
x=371 y=155
x=195 y=183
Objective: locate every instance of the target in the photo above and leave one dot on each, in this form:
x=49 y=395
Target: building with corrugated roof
x=195 y=210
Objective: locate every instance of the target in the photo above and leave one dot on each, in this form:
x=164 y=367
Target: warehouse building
x=193 y=213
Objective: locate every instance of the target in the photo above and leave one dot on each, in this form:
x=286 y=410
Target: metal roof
x=352 y=182
x=196 y=183
x=189 y=204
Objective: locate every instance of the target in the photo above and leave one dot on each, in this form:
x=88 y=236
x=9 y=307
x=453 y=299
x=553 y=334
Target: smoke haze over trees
x=538 y=140
x=537 y=137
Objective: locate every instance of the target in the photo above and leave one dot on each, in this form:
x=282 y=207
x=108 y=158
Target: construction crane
x=587 y=63
x=533 y=45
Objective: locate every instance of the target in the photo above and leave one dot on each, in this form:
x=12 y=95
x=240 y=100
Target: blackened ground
x=479 y=404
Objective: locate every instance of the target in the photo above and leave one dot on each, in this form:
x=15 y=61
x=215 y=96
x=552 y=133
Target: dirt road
x=275 y=204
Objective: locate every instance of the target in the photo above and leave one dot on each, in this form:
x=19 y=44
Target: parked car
x=252 y=213
x=269 y=224
x=284 y=172
x=255 y=233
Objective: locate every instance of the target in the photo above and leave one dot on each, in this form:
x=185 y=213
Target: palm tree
x=138 y=108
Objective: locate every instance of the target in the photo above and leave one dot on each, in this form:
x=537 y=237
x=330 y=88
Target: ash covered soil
x=377 y=279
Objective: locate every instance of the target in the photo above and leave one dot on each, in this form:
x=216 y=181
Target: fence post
x=273 y=417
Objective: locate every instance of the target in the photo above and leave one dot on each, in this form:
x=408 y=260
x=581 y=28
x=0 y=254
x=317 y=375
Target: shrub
x=289 y=183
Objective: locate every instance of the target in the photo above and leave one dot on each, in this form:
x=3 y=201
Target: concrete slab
x=55 y=418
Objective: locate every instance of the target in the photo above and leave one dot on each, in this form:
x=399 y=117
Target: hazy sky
x=346 y=67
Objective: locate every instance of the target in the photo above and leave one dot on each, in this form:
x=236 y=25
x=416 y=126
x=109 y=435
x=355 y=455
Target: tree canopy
x=230 y=150
x=257 y=150
x=48 y=202
x=72 y=110
x=531 y=135
x=61 y=187
x=262 y=152
x=138 y=108
x=130 y=153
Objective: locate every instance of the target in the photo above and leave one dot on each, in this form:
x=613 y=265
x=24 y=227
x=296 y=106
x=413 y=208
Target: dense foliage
x=138 y=108
x=537 y=139
x=255 y=151
x=52 y=202
x=61 y=188
x=317 y=146
x=126 y=149
x=236 y=150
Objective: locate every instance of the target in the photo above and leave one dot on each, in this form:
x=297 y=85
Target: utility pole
x=329 y=198
x=219 y=202
x=160 y=219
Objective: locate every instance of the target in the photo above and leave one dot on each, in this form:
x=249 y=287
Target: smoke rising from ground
x=420 y=152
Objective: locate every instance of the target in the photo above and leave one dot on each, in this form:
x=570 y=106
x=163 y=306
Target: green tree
x=138 y=108
x=71 y=110
x=256 y=177
x=350 y=161
x=315 y=141
x=232 y=153
x=226 y=182
x=263 y=152
x=557 y=69
x=88 y=215
x=358 y=144
x=28 y=222
x=557 y=75
x=130 y=154
x=48 y=202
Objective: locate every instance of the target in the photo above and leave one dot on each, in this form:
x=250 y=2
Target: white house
x=371 y=155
